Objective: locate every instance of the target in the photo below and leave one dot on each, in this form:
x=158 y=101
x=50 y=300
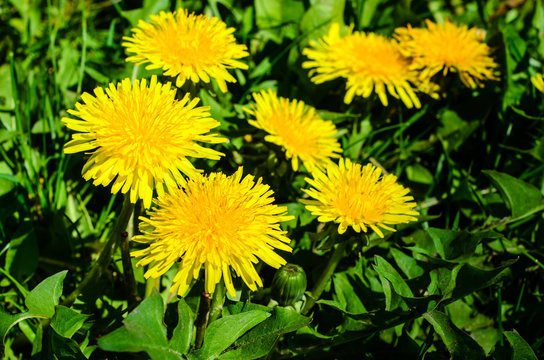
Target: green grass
x=465 y=281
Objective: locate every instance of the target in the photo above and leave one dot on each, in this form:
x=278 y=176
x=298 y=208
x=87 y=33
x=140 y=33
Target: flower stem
x=150 y=285
x=325 y=276
x=217 y=301
x=105 y=256
x=202 y=319
x=128 y=272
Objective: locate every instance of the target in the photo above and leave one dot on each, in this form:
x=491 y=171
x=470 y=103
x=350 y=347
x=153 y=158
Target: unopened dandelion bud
x=289 y=284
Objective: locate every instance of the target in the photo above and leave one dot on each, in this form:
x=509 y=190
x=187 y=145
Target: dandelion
x=448 y=47
x=360 y=197
x=217 y=221
x=371 y=63
x=188 y=46
x=538 y=82
x=297 y=128
x=139 y=137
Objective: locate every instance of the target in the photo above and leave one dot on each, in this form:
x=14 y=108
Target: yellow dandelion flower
x=217 y=221
x=360 y=197
x=538 y=82
x=188 y=46
x=448 y=47
x=295 y=127
x=139 y=137
x=369 y=62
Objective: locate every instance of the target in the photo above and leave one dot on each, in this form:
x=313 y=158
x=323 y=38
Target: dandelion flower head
x=187 y=46
x=538 y=82
x=297 y=128
x=361 y=197
x=448 y=47
x=138 y=137
x=371 y=63
x=216 y=221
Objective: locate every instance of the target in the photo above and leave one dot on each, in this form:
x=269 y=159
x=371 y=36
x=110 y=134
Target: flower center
x=218 y=219
x=188 y=49
x=140 y=131
x=373 y=57
x=369 y=206
x=300 y=141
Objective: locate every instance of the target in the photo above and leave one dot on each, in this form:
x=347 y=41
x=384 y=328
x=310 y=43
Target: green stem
x=105 y=256
x=150 y=285
x=130 y=283
x=534 y=259
x=217 y=301
x=202 y=317
x=319 y=286
x=499 y=315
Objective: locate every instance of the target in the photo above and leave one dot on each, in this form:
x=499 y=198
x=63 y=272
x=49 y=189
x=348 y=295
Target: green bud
x=289 y=284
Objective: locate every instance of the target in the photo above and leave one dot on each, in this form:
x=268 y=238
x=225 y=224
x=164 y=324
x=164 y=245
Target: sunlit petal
x=140 y=137
x=187 y=46
x=216 y=221
x=359 y=197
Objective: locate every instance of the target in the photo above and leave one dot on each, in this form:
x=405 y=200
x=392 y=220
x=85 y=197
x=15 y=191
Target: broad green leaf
x=317 y=20
x=45 y=296
x=278 y=18
x=67 y=321
x=7 y=321
x=183 y=333
x=335 y=304
x=538 y=23
x=344 y=292
x=55 y=346
x=6 y=135
x=22 y=255
x=422 y=243
x=486 y=337
x=37 y=344
x=360 y=132
x=454 y=130
x=7 y=102
x=367 y=11
x=7 y=183
x=240 y=307
x=222 y=333
x=464 y=317
x=150 y=7
x=518 y=349
x=67 y=74
x=515 y=43
x=302 y=216
x=522 y=350
x=418 y=173
x=383 y=268
x=456 y=244
x=407 y=264
x=143 y=330
x=41 y=127
x=466 y=279
x=523 y=199
x=514 y=50
x=96 y=75
x=460 y=345
x=440 y=280
x=259 y=341
x=217 y=110
x=392 y=299
x=268 y=13
x=261 y=69
x=538 y=150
